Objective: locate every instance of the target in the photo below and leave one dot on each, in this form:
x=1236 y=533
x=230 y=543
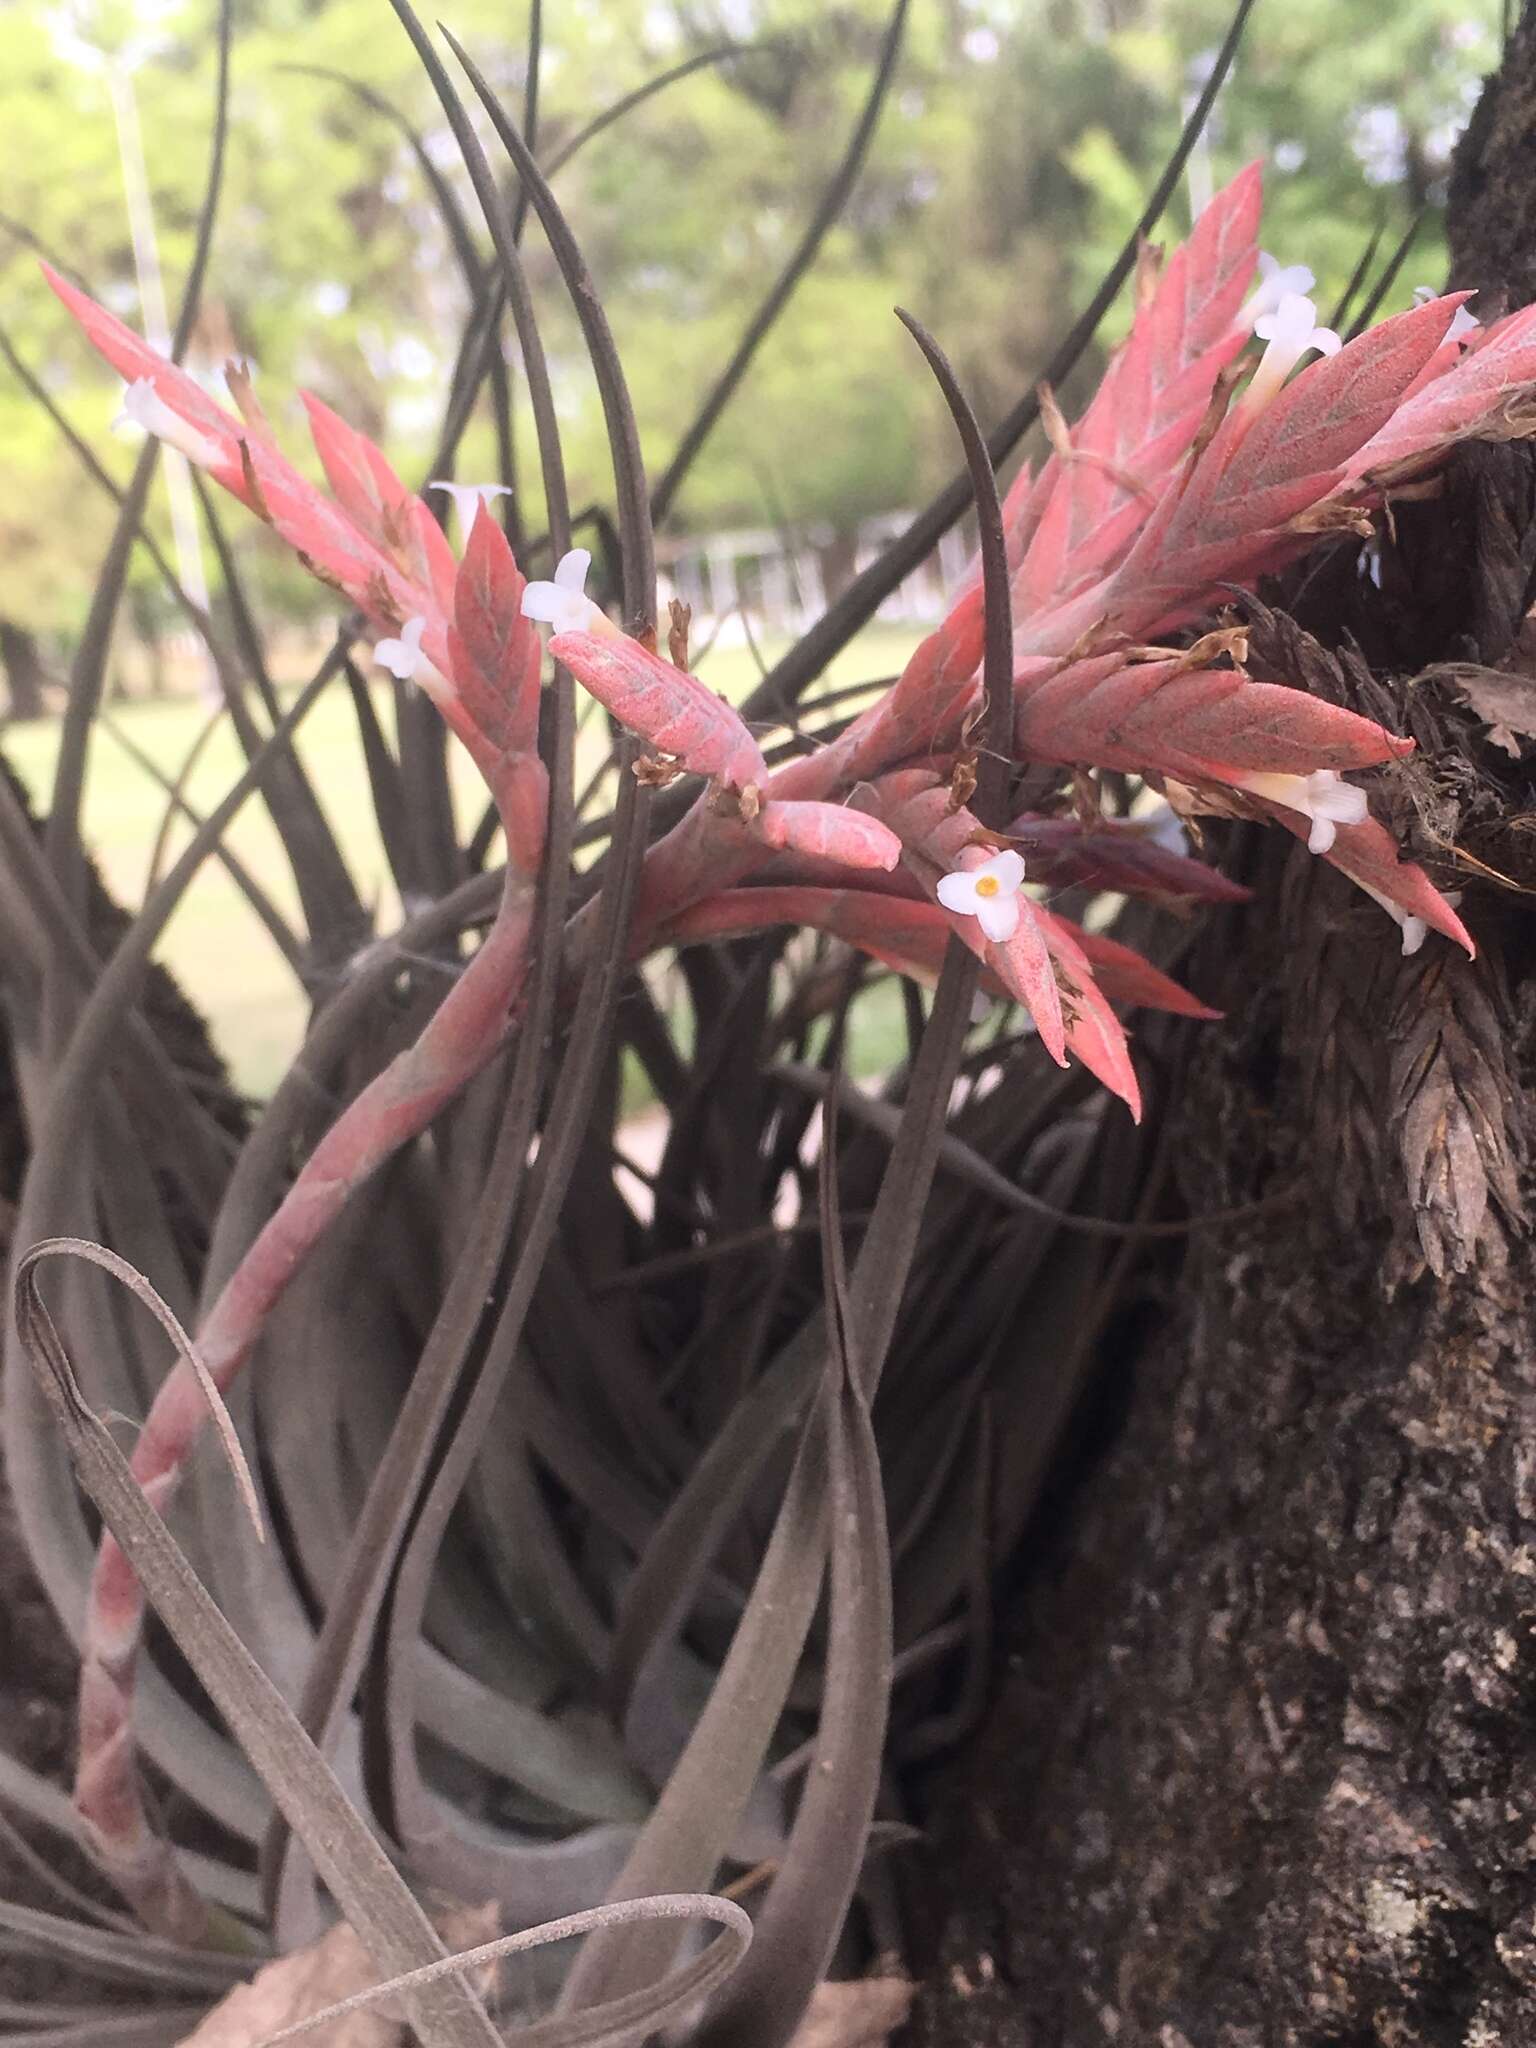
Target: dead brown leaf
x=656 y=771
x=329 y=1970
x=680 y=618
x=962 y=782
x=1505 y=701
x=1332 y=516
x=861 y=2014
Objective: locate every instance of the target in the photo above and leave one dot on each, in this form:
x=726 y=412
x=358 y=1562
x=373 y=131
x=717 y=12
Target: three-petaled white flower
x=468 y=498
x=144 y=407
x=564 y=604
x=403 y=657
x=1321 y=796
x=989 y=893
x=1276 y=282
x=1291 y=332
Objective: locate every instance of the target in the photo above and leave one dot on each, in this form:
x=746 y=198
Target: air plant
x=663 y=1483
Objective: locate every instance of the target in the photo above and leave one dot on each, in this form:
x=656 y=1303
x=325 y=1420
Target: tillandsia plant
x=1193 y=472
x=1097 y=645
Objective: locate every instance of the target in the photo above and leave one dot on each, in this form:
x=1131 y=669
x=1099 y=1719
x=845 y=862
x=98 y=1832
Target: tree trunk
x=25 y=674
x=1262 y=1766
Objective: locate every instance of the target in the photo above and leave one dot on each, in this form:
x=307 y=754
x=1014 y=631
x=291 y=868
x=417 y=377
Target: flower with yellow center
x=989 y=893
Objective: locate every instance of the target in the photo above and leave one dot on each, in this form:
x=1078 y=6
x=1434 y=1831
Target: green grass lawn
x=216 y=946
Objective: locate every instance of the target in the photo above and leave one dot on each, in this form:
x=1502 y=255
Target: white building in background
x=762 y=580
x=758 y=583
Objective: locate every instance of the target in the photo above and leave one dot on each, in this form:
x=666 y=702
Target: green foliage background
x=1018 y=142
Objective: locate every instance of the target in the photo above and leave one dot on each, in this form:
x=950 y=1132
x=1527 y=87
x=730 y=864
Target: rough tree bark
x=1262 y=1768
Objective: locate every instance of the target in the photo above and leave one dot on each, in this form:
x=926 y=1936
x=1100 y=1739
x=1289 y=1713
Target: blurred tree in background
x=1015 y=150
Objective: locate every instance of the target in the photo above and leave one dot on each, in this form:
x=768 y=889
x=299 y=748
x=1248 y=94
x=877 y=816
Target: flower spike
x=1158 y=499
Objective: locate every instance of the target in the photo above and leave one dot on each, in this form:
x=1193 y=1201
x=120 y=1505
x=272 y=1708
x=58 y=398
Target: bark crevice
x=1261 y=1768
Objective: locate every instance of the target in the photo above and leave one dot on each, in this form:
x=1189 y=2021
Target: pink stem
x=395 y=1107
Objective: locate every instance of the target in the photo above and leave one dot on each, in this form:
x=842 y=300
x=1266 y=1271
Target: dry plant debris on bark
x=295 y=1987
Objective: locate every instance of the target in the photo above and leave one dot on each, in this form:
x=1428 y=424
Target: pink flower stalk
x=1090 y=499
x=465 y=641
x=1159 y=497
x=394 y=1108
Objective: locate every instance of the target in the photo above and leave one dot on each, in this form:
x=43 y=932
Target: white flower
x=403 y=657
x=1292 y=332
x=1275 y=283
x=989 y=893
x=564 y=603
x=468 y=498
x=1165 y=828
x=1415 y=930
x=1320 y=796
x=144 y=407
